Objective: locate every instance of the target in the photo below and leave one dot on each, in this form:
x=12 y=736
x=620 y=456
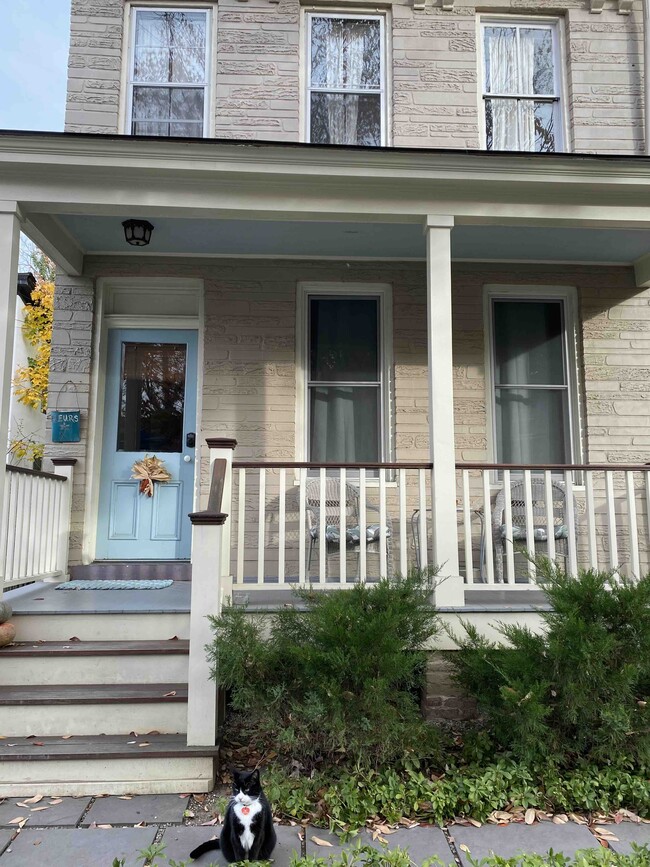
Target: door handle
x=190 y=440
x=187 y=459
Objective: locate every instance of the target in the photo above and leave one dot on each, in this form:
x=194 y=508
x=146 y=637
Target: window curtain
x=344 y=58
x=511 y=72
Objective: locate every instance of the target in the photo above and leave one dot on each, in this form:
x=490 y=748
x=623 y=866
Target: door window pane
x=152 y=397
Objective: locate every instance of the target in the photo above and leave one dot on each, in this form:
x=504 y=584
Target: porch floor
x=41 y=598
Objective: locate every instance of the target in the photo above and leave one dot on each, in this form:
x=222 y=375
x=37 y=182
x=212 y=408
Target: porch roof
x=235 y=198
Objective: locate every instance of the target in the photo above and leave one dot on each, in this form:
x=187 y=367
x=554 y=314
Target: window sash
x=378 y=385
x=522 y=94
x=566 y=422
x=134 y=83
x=380 y=90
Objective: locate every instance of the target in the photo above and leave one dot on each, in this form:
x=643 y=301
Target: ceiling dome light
x=137 y=232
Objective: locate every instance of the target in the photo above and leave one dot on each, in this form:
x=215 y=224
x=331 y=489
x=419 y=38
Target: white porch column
x=64 y=467
x=9 y=247
x=441 y=411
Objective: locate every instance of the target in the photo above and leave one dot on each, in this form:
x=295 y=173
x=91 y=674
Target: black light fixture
x=137 y=232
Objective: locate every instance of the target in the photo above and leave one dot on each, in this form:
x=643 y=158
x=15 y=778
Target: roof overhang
x=57 y=176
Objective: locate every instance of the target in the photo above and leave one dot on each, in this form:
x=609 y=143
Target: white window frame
x=129 y=81
x=569 y=297
x=381 y=291
x=559 y=64
x=310 y=15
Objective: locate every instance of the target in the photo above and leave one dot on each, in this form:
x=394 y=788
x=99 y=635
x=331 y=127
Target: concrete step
x=97 y=662
x=89 y=709
x=104 y=764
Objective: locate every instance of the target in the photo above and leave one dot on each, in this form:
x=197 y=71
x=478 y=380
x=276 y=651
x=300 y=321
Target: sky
x=33 y=63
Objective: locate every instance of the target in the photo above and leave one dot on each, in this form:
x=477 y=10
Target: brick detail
x=443 y=700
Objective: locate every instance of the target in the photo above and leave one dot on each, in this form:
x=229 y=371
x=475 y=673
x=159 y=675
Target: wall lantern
x=137 y=232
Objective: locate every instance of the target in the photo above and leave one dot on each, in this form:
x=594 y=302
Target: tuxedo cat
x=248 y=833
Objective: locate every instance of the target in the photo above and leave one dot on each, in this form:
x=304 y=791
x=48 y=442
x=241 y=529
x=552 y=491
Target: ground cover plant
x=578 y=692
x=338 y=681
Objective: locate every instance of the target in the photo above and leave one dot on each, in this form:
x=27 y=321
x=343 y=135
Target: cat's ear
x=235 y=775
x=255 y=775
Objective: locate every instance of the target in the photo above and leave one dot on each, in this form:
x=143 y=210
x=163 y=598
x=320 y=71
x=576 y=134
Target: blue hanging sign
x=66 y=423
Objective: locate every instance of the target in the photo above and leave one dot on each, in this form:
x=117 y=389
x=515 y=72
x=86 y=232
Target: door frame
x=111 y=303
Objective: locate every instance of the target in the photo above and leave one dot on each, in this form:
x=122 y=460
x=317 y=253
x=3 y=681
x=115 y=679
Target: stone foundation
x=443 y=700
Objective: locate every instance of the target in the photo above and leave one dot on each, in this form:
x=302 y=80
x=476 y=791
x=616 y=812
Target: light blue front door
x=150 y=409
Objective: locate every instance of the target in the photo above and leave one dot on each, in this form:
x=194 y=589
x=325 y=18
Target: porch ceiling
x=221 y=237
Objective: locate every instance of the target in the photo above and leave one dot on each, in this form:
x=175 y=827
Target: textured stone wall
x=249 y=388
x=72 y=340
x=442 y=699
x=434 y=81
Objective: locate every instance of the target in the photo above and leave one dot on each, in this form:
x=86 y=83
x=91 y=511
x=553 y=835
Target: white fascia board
x=55 y=241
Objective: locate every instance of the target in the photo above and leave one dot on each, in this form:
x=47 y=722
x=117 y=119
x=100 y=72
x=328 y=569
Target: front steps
x=93 y=676
x=104 y=765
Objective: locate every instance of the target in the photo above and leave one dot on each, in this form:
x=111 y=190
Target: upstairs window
x=168 y=75
x=521 y=86
x=346 y=93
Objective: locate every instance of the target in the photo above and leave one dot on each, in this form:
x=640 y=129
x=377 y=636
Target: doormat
x=115 y=585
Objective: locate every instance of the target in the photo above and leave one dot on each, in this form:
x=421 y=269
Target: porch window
x=346 y=93
x=521 y=86
x=344 y=379
x=532 y=399
x=168 y=75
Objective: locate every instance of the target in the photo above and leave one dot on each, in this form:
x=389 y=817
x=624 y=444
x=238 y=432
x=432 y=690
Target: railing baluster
x=467 y=527
x=322 y=528
x=422 y=523
x=12 y=541
x=550 y=515
x=363 y=527
x=4 y=530
x=343 y=527
x=487 y=518
x=571 y=523
x=591 y=521
x=282 y=527
x=23 y=527
x=530 y=526
x=635 y=566
x=261 y=528
x=383 y=533
x=510 y=548
x=241 y=523
x=611 y=521
x=302 y=526
x=403 y=549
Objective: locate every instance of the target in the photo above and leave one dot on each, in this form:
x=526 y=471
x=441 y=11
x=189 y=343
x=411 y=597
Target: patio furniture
x=332 y=506
x=540 y=526
x=415 y=533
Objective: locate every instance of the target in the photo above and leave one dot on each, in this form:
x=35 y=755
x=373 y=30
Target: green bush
x=578 y=691
x=597 y=857
x=338 y=681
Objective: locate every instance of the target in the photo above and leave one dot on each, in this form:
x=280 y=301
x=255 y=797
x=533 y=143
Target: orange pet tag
x=245 y=810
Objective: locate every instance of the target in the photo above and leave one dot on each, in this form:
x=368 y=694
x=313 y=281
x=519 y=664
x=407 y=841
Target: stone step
x=98 y=662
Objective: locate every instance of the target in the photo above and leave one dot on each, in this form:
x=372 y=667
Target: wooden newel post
x=64 y=467
x=207 y=544
x=222 y=448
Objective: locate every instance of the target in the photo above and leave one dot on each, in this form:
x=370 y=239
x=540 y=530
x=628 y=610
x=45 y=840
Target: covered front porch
x=247 y=241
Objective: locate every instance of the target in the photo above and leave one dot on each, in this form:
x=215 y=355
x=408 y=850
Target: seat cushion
x=539 y=533
x=352 y=534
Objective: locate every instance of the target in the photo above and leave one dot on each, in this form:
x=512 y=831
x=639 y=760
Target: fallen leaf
x=560 y=819
x=38 y=809
x=144 y=744
x=65 y=737
x=464 y=847
x=17 y=820
x=56 y=801
x=38 y=744
x=188 y=814
x=529 y=818
x=579 y=820
x=319 y=842
x=130 y=742
x=213 y=822
x=34 y=800
x=104 y=826
x=606 y=834
x=169 y=694
x=125 y=797
x=74 y=638
x=475 y=823
x=140 y=825
x=153 y=732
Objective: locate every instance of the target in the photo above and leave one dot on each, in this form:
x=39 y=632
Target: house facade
x=369 y=283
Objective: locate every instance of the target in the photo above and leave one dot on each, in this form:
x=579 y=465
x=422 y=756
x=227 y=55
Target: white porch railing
x=582 y=515
x=35 y=526
x=377 y=521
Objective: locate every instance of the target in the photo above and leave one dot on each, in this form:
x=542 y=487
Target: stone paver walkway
x=68 y=832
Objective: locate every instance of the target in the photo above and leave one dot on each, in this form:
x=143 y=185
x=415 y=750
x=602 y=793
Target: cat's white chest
x=246 y=818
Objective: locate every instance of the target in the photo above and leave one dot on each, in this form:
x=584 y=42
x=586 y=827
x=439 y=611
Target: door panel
x=150 y=407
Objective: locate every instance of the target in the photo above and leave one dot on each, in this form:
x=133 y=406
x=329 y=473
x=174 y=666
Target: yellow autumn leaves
x=31 y=381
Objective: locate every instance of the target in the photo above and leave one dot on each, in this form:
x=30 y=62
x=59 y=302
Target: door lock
x=190 y=440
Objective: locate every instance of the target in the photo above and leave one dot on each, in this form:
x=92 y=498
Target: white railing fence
x=581 y=516
x=35 y=525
